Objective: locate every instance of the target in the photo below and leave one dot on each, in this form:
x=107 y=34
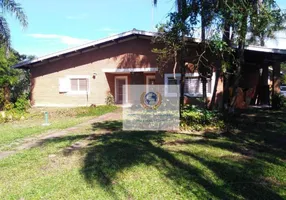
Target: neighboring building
x=84 y=75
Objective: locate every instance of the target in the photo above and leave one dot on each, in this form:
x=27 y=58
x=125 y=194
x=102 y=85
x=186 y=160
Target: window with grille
x=193 y=85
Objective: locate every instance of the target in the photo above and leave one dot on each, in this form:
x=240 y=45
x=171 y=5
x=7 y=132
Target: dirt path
x=36 y=141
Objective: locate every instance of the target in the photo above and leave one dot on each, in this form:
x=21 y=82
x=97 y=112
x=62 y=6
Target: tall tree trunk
x=213 y=99
x=226 y=81
x=240 y=59
x=181 y=5
x=203 y=37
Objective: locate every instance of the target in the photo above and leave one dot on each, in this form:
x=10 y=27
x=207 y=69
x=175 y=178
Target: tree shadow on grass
x=245 y=171
x=239 y=177
x=244 y=177
x=57 y=139
x=108 y=125
x=261 y=131
x=264 y=127
x=121 y=150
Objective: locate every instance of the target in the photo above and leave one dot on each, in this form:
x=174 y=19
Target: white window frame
x=126 y=88
x=79 y=77
x=194 y=75
x=147 y=81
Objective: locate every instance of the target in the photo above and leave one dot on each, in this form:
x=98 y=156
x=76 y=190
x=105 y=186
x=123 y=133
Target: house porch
x=261 y=73
x=118 y=78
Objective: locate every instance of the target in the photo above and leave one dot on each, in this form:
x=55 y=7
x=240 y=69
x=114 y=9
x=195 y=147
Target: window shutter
x=64 y=85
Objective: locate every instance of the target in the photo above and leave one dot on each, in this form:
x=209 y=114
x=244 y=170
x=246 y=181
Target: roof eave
x=115 y=38
x=86 y=47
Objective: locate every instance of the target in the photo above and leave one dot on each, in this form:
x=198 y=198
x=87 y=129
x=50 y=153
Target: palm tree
x=7 y=75
x=13 y=8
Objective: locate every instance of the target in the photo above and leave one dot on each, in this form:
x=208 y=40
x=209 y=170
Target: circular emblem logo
x=151 y=100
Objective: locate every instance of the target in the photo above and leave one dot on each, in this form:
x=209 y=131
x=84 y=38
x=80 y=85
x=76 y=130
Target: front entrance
x=120 y=93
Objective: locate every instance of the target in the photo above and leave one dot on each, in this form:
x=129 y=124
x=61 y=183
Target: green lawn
x=12 y=133
x=248 y=162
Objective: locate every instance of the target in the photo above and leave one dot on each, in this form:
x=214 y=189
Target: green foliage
x=8 y=76
x=197 y=118
x=283 y=79
x=22 y=86
x=22 y=103
x=2 y=98
x=228 y=24
x=94 y=111
x=170 y=35
x=13 y=115
x=15 y=111
x=265 y=21
x=109 y=100
x=8 y=106
x=13 y=82
x=278 y=101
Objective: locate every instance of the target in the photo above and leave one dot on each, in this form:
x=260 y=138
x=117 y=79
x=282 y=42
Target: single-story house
x=84 y=75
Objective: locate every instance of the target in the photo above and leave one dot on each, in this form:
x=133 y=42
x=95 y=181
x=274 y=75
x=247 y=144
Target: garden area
x=101 y=161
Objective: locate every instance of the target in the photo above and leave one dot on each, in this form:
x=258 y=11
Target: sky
x=280 y=40
x=56 y=25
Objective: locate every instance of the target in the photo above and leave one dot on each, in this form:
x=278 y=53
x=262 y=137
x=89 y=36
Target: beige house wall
x=135 y=53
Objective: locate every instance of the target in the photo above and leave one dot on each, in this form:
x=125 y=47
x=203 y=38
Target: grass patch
x=247 y=163
x=12 y=132
x=96 y=111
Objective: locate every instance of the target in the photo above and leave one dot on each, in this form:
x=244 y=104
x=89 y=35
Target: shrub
x=22 y=103
x=278 y=101
x=22 y=86
x=109 y=100
x=8 y=106
x=13 y=115
x=196 y=118
x=283 y=79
